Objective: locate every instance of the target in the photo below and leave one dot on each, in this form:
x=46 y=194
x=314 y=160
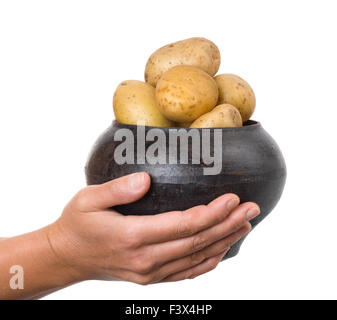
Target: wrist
x=63 y=256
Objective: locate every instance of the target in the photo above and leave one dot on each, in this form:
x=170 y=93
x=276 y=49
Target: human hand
x=99 y=243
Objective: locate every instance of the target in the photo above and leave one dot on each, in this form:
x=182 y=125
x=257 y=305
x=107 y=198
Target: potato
x=135 y=101
x=197 y=52
x=184 y=93
x=237 y=92
x=222 y=116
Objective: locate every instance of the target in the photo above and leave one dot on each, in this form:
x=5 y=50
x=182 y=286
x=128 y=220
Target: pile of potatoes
x=181 y=90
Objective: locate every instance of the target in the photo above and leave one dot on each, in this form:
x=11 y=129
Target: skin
x=134 y=102
x=90 y=241
x=222 y=116
x=237 y=92
x=184 y=93
x=198 y=52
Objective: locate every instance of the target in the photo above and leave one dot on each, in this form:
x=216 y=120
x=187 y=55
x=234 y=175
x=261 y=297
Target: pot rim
x=248 y=125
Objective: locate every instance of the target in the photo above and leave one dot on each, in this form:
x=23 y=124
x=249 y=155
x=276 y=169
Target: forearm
x=43 y=271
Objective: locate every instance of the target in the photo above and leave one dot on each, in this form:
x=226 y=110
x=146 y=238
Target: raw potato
x=135 y=101
x=222 y=116
x=237 y=92
x=197 y=52
x=184 y=93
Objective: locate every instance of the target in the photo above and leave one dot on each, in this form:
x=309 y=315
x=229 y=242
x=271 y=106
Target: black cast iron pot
x=251 y=166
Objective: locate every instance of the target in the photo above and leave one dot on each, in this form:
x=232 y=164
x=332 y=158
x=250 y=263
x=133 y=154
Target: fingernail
x=252 y=213
x=136 y=180
x=232 y=203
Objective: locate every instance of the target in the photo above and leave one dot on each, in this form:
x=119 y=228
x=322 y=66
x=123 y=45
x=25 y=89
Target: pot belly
x=252 y=167
x=170 y=194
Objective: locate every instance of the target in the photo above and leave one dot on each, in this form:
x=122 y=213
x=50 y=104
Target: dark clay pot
x=252 y=167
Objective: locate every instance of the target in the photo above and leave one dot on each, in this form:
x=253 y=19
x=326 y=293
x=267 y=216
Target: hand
x=99 y=243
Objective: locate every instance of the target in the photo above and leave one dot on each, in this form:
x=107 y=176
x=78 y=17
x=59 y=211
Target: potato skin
x=237 y=92
x=135 y=101
x=222 y=116
x=198 y=52
x=184 y=93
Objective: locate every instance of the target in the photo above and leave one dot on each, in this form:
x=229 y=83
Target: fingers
x=182 y=268
x=118 y=191
x=174 y=249
x=221 y=246
x=145 y=279
x=181 y=224
x=204 y=267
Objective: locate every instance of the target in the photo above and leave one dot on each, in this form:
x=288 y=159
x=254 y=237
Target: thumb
x=115 y=192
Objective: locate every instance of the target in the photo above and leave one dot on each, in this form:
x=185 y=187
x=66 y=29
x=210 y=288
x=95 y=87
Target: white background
x=60 y=62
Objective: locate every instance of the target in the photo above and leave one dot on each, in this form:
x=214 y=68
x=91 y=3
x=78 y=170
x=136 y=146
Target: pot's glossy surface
x=252 y=167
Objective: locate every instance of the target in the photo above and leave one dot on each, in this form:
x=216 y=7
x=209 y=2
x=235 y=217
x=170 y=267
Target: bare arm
x=43 y=272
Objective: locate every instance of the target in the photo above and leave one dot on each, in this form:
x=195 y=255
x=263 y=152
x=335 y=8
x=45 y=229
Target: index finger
x=180 y=224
